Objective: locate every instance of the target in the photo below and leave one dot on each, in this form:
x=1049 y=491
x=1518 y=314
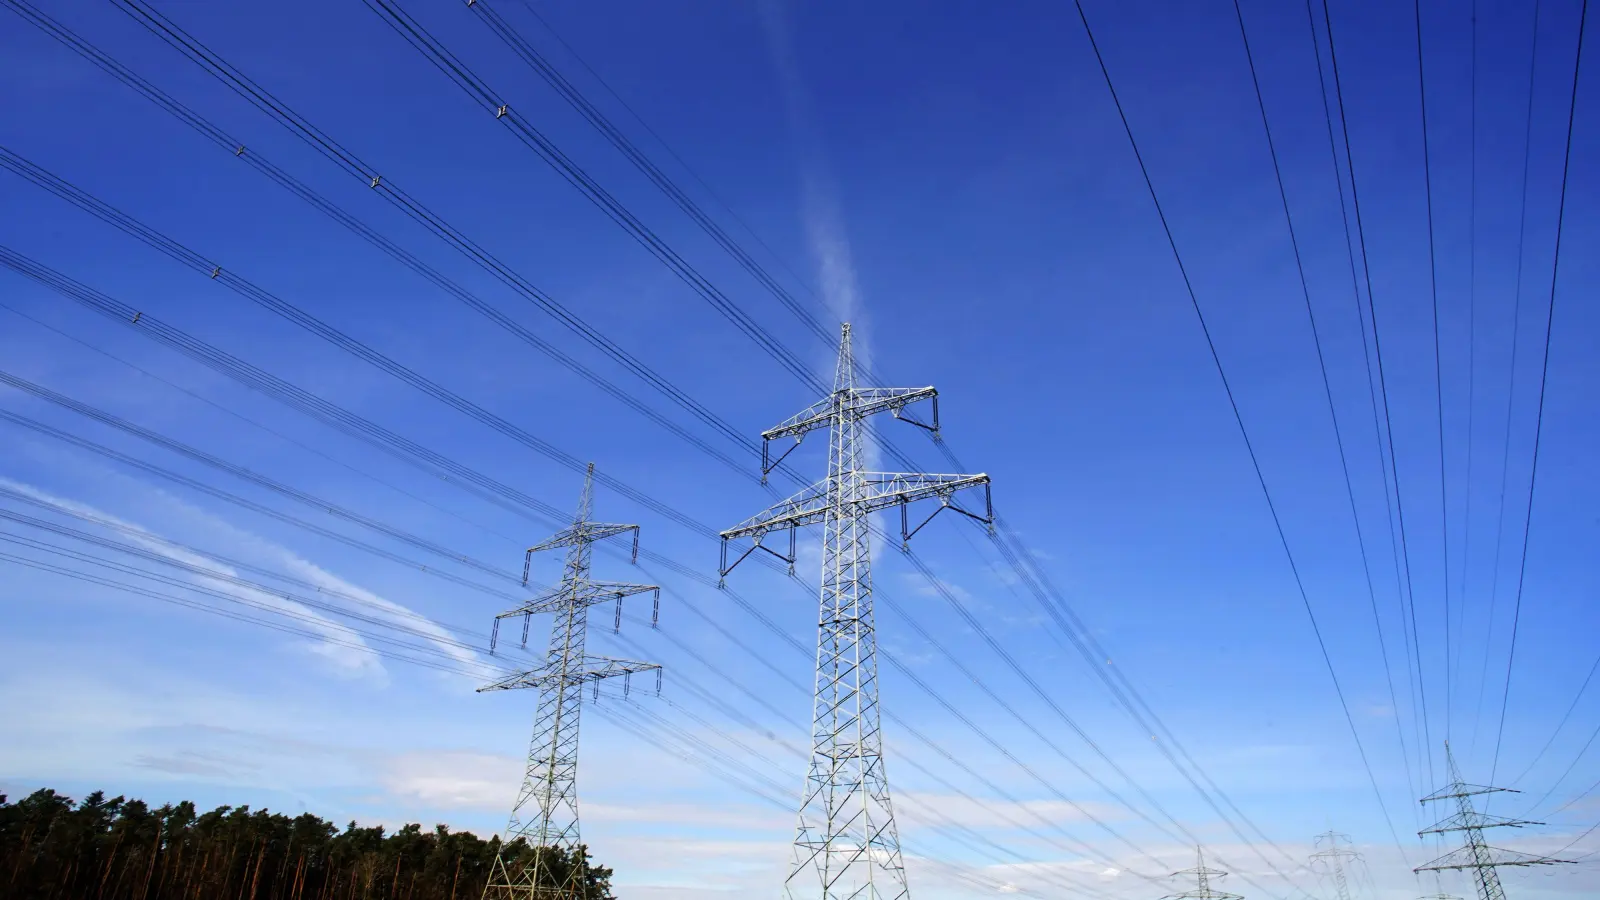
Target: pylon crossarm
x=870 y=401
x=1458 y=790
x=1466 y=858
x=595 y=668
x=583 y=533
x=617 y=590
x=1200 y=870
x=586 y=594
x=543 y=602
x=946 y=501
x=1466 y=821
x=725 y=567
x=861 y=402
x=878 y=490
x=817 y=415
x=599 y=668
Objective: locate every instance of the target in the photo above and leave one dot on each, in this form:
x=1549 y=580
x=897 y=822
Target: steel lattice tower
x=546 y=811
x=1202 y=876
x=1332 y=857
x=1476 y=855
x=846 y=844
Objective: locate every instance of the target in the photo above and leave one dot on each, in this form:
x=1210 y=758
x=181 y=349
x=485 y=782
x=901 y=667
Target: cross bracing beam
x=874 y=491
x=594 y=668
x=846 y=845
x=583 y=594
x=545 y=815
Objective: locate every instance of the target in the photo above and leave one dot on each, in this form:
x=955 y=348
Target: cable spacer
x=377 y=180
x=215 y=271
x=239 y=151
x=501 y=112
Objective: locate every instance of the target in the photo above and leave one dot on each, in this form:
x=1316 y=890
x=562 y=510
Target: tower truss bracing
x=545 y=815
x=1330 y=859
x=1202 y=874
x=846 y=844
x=1475 y=855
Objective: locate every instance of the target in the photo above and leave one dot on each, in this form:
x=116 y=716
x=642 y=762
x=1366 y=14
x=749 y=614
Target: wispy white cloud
x=933 y=810
x=454 y=779
x=307 y=570
x=819 y=201
x=395 y=612
x=343 y=648
x=924 y=587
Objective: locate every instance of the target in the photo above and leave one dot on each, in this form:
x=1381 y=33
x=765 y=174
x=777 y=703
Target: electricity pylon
x=1476 y=855
x=546 y=811
x=846 y=844
x=1202 y=876
x=1331 y=859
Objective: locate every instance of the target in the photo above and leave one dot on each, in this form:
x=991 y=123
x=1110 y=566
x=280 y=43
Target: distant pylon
x=1476 y=855
x=1331 y=859
x=846 y=845
x=1202 y=876
x=546 y=811
x=1439 y=897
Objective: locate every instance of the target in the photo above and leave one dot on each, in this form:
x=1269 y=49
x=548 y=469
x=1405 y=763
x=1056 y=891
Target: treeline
x=119 y=849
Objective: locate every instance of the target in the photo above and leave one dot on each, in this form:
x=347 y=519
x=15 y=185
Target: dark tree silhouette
x=119 y=849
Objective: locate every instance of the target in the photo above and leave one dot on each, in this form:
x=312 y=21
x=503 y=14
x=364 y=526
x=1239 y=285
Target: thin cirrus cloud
x=342 y=648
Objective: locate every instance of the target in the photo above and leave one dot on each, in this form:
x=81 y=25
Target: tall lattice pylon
x=546 y=812
x=846 y=845
x=1475 y=855
x=1331 y=857
x=1202 y=876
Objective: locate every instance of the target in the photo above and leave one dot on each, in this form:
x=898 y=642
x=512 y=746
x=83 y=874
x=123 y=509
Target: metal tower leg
x=544 y=821
x=1475 y=854
x=846 y=844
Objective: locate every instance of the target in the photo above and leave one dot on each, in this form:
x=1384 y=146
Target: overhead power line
x=402 y=650
x=325 y=411
x=447 y=646
x=1472 y=344
x=1438 y=372
x=89 y=412
x=169 y=32
x=1511 y=383
x=1372 y=384
x=592 y=114
x=682 y=163
x=1327 y=384
x=1244 y=433
x=217 y=559
x=321 y=409
x=1414 y=650
x=238 y=416
x=1544 y=376
x=235 y=499
x=437 y=226
x=305 y=320
x=1565 y=718
x=292 y=121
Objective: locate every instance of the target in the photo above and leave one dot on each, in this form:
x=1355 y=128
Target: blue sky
x=957 y=182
